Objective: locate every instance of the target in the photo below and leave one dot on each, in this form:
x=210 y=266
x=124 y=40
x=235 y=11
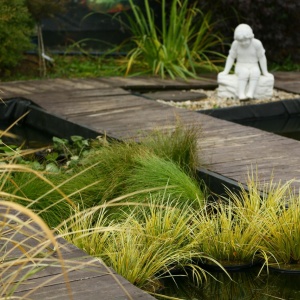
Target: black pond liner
x=230 y=267
x=39 y=119
x=280 y=117
x=288 y=269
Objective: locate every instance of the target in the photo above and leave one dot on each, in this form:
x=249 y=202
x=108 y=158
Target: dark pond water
x=288 y=126
x=244 y=285
x=27 y=136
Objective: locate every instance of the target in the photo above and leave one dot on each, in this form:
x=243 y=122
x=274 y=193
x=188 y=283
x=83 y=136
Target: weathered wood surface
x=61 y=274
x=107 y=106
x=84 y=278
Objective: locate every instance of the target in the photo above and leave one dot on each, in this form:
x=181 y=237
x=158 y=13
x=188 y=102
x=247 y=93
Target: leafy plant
x=178 y=48
x=68 y=150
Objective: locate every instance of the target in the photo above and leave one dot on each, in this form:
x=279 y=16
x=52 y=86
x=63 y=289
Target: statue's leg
x=243 y=73
x=252 y=87
x=253 y=81
x=242 y=83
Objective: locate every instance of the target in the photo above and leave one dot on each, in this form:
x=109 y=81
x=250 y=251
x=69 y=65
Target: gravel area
x=212 y=100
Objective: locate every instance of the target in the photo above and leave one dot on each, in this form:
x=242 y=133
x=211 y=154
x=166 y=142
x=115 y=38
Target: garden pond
x=245 y=284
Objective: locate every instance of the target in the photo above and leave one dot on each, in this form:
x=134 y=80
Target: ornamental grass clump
x=151 y=171
x=226 y=236
x=260 y=198
x=276 y=209
x=162 y=160
x=147 y=244
x=182 y=43
x=282 y=239
x=179 y=145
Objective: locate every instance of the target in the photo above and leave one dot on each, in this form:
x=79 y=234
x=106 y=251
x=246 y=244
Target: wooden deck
x=107 y=106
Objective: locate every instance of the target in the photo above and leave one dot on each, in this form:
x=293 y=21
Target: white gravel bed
x=212 y=101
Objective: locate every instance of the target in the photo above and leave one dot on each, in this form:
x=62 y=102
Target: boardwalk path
x=108 y=107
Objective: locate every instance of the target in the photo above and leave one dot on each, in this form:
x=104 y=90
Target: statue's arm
x=262 y=57
x=228 y=65
x=230 y=58
x=263 y=65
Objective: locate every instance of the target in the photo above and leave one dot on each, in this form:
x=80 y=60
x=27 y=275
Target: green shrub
x=15 y=30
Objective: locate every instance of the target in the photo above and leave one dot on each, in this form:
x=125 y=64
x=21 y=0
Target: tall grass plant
x=151 y=171
x=178 y=48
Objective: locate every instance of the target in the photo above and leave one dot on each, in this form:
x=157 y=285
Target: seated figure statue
x=247 y=82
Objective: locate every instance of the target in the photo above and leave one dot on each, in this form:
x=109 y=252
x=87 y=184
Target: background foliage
x=15 y=30
x=274 y=22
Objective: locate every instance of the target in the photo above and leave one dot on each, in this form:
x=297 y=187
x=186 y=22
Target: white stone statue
x=247 y=82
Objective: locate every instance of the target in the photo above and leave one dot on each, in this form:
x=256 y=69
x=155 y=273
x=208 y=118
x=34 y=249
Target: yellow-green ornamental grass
x=228 y=238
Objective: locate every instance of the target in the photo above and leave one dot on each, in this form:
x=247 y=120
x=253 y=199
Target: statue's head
x=243 y=31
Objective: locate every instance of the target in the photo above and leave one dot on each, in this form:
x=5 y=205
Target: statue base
x=228 y=86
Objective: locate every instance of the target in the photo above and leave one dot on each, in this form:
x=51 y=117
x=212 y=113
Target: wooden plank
x=68 y=100
x=86 y=276
x=88 y=288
